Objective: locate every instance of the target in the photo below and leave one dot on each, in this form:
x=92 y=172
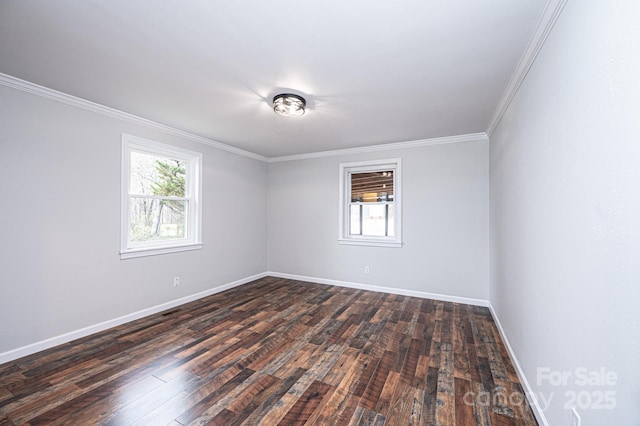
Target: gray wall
x=565 y=212
x=445 y=222
x=60 y=269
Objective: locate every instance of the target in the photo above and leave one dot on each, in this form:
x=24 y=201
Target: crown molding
x=45 y=92
x=471 y=137
x=547 y=21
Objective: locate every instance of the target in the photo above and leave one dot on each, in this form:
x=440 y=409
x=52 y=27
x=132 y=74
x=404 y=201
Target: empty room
x=329 y=213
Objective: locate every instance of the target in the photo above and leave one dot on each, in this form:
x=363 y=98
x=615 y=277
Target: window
x=160 y=198
x=370 y=203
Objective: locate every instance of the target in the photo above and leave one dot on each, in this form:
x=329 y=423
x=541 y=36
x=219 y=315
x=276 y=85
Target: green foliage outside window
x=157 y=218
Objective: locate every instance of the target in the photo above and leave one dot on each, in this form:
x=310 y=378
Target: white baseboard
x=531 y=396
x=83 y=332
x=400 y=291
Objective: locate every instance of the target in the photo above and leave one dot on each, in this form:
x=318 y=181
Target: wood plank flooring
x=277 y=352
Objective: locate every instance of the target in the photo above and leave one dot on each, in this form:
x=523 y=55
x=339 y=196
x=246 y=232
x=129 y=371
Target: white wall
x=445 y=222
x=60 y=222
x=565 y=211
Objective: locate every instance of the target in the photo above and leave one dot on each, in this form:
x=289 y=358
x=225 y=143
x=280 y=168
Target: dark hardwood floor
x=277 y=351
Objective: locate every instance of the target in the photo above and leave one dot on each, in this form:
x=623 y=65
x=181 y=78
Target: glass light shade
x=289 y=105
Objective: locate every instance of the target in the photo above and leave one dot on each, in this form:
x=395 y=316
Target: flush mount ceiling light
x=289 y=105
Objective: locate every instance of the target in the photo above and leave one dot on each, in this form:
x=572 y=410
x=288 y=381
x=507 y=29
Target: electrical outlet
x=176 y=281
x=366 y=269
x=575 y=417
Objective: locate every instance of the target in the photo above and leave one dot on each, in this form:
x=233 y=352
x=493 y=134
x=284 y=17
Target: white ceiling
x=373 y=71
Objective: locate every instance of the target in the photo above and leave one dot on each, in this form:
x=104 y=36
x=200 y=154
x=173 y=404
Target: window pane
x=372 y=186
x=155 y=175
x=354 y=222
x=155 y=220
x=374 y=220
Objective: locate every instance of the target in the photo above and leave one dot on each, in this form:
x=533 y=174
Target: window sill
x=154 y=251
x=371 y=243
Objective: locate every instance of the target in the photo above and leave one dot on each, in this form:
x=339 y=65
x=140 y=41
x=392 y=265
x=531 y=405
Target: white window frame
x=193 y=194
x=346 y=169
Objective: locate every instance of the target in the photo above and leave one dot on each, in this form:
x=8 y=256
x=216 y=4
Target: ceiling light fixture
x=289 y=105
